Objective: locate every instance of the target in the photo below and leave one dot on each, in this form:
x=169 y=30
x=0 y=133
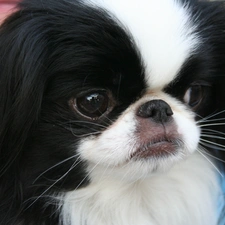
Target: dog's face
x=97 y=91
x=130 y=96
x=129 y=111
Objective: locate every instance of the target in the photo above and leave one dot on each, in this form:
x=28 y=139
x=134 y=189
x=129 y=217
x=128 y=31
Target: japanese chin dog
x=111 y=113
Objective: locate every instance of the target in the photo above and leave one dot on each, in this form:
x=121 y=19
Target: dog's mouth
x=162 y=147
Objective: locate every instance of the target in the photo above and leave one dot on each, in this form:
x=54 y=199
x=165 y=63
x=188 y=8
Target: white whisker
x=212 y=146
x=88 y=174
x=212 y=124
x=84 y=135
x=213 y=143
x=210 y=162
x=211 y=116
x=212 y=156
x=213 y=131
x=58 y=164
x=44 y=192
x=213 y=120
x=213 y=136
x=83 y=122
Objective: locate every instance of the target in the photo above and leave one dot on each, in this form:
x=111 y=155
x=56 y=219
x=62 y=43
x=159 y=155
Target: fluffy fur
x=111 y=113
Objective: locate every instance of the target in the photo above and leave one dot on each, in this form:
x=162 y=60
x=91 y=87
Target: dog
x=112 y=113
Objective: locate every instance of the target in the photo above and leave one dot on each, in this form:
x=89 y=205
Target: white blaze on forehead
x=162 y=31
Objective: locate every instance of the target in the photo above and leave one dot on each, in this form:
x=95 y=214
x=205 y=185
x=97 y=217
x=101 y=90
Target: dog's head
x=94 y=88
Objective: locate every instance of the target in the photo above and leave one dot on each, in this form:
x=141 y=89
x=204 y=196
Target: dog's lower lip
x=158 y=149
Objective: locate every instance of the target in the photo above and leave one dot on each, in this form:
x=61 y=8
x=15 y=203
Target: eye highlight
x=93 y=105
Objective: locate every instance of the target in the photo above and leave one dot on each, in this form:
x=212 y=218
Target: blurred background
x=7 y=7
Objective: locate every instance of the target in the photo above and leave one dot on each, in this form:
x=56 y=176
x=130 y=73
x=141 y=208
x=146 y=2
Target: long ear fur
x=21 y=84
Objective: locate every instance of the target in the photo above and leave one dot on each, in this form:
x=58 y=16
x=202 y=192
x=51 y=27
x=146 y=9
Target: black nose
x=158 y=110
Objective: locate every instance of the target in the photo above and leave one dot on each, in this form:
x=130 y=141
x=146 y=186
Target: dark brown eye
x=93 y=105
x=194 y=95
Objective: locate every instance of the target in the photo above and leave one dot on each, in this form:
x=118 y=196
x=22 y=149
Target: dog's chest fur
x=166 y=199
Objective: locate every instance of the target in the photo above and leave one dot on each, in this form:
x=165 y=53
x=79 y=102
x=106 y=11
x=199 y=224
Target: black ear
x=22 y=62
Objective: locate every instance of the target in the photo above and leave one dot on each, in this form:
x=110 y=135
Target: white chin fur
x=183 y=195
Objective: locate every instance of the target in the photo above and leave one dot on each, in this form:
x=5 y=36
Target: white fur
x=182 y=196
x=162 y=31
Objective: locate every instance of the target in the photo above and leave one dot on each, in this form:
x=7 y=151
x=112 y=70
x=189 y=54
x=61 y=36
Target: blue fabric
x=221 y=202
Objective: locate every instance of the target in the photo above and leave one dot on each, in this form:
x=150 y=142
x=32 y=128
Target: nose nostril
x=169 y=111
x=158 y=110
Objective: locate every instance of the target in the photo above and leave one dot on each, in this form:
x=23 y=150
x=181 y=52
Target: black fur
x=51 y=52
